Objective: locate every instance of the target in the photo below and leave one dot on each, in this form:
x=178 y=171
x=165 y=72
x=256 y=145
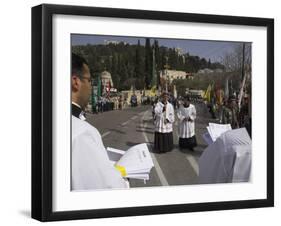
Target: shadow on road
x=197 y=152
x=130 y=144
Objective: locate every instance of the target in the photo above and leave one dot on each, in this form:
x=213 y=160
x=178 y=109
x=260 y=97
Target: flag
x=207 y=94
x=99 y=87
x=212 y=94
x=219 y=96
x=153 y=91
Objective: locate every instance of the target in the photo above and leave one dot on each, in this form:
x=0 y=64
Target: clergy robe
x=91 y=167
x=228 y=159
x=163 y=137
x=187 y=128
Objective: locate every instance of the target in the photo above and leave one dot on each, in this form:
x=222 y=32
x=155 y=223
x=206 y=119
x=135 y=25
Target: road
x=122 y=129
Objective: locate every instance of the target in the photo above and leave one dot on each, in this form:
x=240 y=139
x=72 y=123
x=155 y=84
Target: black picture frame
x=42 y=107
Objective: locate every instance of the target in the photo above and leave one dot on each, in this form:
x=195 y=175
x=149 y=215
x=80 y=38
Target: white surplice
x=228 y=159
x=91 y=167
x=186 y=128
x=160 y=116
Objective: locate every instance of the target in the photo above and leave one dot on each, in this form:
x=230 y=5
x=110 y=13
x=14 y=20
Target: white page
x=136 y=159
x=114 y=154
x=121 y=152
x=207 y=138
x=218 y=129
x=139 y=176
x=210 y=133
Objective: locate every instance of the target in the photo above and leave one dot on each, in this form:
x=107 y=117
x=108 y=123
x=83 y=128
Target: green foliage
x=132 y=64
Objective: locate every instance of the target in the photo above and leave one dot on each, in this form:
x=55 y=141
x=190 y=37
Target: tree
x=233 y=61
x=209 y=63
x=139 y=68
x=134 y=62
x=148 y=63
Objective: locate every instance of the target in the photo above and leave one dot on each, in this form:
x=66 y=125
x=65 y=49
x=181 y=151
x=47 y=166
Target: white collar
x=81 y=115
x=76 y=104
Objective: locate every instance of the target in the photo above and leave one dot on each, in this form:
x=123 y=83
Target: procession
x=170 y=122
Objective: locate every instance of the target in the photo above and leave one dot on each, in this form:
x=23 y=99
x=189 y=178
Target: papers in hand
x=207 y=138
x=136 y=162
x=214 y=131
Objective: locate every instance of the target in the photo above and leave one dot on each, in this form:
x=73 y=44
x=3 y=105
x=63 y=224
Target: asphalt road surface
x=122 y=129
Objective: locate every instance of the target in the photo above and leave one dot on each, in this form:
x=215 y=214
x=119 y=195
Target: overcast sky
x=207 y=49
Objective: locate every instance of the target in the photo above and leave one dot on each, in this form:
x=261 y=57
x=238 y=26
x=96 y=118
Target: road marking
x=105 y=134
x=192 y=161
x=125 y=123
x=158 y=169
x=133 y=118
x=193 y=164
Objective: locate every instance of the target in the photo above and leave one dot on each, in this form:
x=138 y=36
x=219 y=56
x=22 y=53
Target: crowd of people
x=104 y=103
x=228 y=112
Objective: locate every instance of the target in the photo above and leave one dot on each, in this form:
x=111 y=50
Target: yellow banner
x=153 y=91
x=207 y=94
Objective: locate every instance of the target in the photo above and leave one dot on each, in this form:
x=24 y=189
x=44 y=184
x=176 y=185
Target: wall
x=15 y=124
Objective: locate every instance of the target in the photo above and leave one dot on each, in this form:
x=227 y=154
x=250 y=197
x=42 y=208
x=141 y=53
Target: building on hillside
x=179 y=51
x=170 y=75
x=209 y=71
x=189 y=75
x=107 y=42
x=205 y=71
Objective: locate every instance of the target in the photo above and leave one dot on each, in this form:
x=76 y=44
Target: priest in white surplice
x=187 y=115
x=90 y=165
x=164 y=119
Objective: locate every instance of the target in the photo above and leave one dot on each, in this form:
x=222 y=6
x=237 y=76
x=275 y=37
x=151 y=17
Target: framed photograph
x=145 y=112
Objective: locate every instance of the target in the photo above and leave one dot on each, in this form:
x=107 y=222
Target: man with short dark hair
x=91 y=167
x=230 y=113
x=80 y=85
x=164 y=119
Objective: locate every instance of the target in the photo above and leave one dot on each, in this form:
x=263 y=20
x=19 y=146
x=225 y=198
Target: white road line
x=133 y=118
x=158 y=169
x=193 y=164
x=192 y=161
x=125 y=123
x=105 y=134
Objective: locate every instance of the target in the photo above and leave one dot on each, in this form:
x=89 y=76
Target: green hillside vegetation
x=132 y=64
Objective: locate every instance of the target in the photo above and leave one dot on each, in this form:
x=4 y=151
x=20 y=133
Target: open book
x=135 y=163
x=214 y=131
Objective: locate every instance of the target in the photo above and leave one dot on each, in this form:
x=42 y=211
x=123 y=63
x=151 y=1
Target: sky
x=213 y=50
